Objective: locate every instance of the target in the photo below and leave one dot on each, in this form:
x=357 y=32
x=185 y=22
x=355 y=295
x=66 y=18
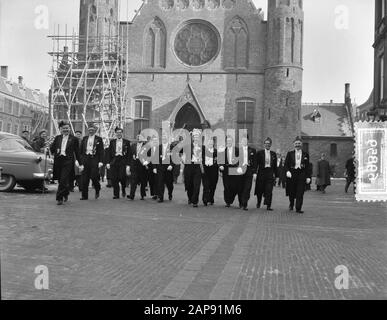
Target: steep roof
x=28 y=95
x=325 y=120
x=368 y=104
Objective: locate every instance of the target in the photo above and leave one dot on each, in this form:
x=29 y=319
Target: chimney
x=347 y=91
x=20 y=80
x=4 y=71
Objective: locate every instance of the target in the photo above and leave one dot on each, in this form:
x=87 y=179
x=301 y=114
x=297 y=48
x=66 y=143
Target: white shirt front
x=165 y=148
x=298 y=159
x=119 y=144
x=63 y=147
x=245 y=156
x=229 y=155
x=210 y=160
x=90 y=145
x=267 y=158
x=196 y=153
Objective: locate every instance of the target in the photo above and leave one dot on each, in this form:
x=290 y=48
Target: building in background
x=217 y=63
x=21 y=108
x=329 y=128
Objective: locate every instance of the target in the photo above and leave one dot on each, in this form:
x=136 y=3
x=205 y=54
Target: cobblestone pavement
x=109 y=249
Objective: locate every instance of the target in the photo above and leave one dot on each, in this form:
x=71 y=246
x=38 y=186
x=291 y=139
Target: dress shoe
x=228 y=205
x=269 y=209
x=170 y=198
x=154 y=198
x=130 y=198
x=195 y=206
x=60 y=203
x=66 y=199
x=245 y=209
x=142 y=198
x=123 y=194
x=97 y=195
x=205 y=204
x=160 y=201
x=300 y=211
x=115 y=198
x=291 y=208
x=258 y=206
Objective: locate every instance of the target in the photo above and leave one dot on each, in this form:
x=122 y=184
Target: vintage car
x=19 y=164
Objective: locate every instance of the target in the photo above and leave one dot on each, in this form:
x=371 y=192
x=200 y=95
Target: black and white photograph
x=205 y=152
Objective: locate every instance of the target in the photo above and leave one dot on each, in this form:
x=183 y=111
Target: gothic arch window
x=142 y=113
x=245 y=115
x=236 y=44
x=155 y=44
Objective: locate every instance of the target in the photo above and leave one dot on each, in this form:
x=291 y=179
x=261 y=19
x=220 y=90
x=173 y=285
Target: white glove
x=155 y=171
x=100 y=165
x=108 y=166
x=289 y=174
x=128 y=170
x=170 y=168
x=146 y=163
x=77 y=163
x=255 y=177
x=240 y=171
x=308 y=180
x=81 y=168
x=221 y=168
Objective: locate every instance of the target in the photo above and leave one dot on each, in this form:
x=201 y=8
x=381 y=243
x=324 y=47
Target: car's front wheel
x=7 y=183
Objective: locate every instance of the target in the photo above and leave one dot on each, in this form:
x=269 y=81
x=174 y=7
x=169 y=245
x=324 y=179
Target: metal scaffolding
x=89 y=82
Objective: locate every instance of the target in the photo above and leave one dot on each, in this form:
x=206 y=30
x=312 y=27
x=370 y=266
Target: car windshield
x=14 y=145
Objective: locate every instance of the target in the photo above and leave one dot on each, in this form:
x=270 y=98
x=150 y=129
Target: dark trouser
x=152 y=180
x=231 y=188
x=139 y=175
x=349 y=181
x=192 y=181
x=296 y=187
x=164 y=178
x=66 y=168
x=78 y=182
x=118 y=176
x=210 y=180
x=245 y=188
x=176 y=173
x=91 y=171
x=282 y=182
x=264 y=186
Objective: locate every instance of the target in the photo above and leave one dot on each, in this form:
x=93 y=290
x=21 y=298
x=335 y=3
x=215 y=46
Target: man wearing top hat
x=65 y=149
x=248 y=167
x=92 y=157
x=266 y=174
x=138 y=168
x=119 y=156
x=164 y=169
x=298 y=173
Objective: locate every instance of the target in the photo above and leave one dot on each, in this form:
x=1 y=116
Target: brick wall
x=345 y=149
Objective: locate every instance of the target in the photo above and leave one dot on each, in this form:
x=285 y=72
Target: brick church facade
x=216 y=63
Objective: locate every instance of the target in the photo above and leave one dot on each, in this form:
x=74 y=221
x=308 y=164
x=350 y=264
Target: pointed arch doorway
x=188 y=118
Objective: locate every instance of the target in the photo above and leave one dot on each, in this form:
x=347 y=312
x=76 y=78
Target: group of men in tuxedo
x=239 y=167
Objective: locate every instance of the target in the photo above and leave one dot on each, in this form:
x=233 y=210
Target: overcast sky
x=337 y=50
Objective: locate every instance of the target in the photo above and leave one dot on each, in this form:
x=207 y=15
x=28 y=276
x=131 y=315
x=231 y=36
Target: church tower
x=98 y=20
x=283 y=73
